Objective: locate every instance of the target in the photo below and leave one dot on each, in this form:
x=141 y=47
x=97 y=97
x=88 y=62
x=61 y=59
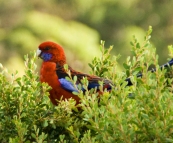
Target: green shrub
x=139 y=113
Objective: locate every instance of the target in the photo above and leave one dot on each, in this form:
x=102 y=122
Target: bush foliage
x=139 y=113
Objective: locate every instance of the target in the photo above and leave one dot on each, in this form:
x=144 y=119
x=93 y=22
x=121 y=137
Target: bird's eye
x=47 y=48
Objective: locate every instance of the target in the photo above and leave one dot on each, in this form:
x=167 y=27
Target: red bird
x=53 y=72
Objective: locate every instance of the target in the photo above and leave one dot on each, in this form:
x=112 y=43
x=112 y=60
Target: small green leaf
x=126 y=66
x=66 y=67
x=75 y=79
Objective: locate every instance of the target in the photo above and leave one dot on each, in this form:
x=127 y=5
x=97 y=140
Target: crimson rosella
x=52 y=72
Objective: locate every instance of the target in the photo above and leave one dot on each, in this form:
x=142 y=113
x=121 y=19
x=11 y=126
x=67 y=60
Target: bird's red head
x=51 y=52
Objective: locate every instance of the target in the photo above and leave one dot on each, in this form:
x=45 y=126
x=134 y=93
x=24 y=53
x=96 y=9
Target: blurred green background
x=79 y=25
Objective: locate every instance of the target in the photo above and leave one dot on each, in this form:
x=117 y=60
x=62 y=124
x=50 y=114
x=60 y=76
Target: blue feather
x=93 y=85
x=67 y=85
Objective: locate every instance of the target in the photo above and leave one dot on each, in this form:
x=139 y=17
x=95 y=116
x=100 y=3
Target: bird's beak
x=39 y=52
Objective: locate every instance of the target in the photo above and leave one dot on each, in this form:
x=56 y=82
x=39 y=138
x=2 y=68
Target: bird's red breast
x=48 y=75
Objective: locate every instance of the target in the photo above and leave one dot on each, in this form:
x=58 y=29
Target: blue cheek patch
x=46 y=56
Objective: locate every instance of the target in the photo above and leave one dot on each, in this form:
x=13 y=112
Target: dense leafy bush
x=139 y=113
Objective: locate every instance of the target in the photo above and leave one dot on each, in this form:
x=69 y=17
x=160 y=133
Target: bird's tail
x=170 y=63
